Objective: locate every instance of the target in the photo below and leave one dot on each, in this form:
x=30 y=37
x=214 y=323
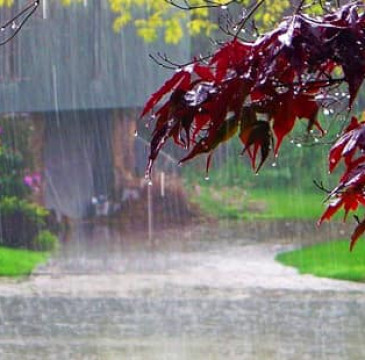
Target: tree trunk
x=124 y=160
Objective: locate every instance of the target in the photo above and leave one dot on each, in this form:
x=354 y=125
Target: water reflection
x=185 y=295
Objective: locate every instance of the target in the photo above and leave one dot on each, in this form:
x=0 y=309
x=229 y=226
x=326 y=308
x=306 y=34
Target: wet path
x=181 y=297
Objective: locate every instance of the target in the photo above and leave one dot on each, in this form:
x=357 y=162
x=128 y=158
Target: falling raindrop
x=136 y=133
x=274 y=164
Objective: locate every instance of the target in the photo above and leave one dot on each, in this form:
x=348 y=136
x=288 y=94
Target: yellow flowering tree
x=156 y=19
x=156 y=16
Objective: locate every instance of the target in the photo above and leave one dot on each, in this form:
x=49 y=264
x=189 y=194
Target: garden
x=27 y=229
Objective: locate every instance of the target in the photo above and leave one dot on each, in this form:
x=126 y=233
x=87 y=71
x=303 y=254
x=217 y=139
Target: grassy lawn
x=332 y=260
x=252 y=204
x=14 y=262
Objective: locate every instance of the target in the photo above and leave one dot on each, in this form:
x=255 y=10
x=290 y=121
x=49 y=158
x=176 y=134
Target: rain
x=180 y=264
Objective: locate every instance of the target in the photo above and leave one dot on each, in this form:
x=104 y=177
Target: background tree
x=155 y=17
x=23 y=223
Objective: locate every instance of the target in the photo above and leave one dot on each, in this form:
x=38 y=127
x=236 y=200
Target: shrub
x=45 y=241
x=12 y=171
x=21 y=222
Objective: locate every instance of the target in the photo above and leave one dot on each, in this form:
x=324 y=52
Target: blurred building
x=83 y=86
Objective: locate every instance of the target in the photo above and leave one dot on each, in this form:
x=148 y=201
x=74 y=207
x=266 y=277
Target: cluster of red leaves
x=350 y=192
x=259 y=89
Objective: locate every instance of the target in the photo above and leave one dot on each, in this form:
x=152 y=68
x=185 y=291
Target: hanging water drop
x=150 y=182
x=136 y=133
x=207 y=178
x=326 y=112
x=274 y=164
x=299 y=145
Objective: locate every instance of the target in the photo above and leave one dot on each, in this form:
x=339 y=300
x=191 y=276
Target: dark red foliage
x=359 y=230
x=278 y=77
x=259 y=89
x=350 y=192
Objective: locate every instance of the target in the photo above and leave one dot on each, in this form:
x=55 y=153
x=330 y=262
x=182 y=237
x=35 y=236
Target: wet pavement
x=185 y=295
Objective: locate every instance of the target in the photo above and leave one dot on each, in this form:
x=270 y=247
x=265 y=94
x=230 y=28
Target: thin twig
x=321 y=187
x=27 y=12
x=248 y=16
x=299 y=7
x=164 y=61
x=209 y=4
x=160 y=63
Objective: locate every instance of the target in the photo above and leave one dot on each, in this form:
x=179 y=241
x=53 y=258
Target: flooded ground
x=197 y=293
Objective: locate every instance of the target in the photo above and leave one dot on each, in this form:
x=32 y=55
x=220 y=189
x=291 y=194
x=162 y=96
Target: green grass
x=253 y=204
x=332 y=260
x=14 y=262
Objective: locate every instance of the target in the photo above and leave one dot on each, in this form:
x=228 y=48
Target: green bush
x=21 y=222
x=12 y=173
x=45 y=241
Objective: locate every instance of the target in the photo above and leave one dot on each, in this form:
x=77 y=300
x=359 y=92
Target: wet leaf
x=359 y=230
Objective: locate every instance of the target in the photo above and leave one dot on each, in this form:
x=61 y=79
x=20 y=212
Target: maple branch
x=299 y=7
x=27 y=12
x=164 y=61
x=248 y=16
x=209 y=4
x=160 y=63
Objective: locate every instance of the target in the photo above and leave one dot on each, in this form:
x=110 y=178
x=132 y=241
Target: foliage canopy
x=258 y=88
